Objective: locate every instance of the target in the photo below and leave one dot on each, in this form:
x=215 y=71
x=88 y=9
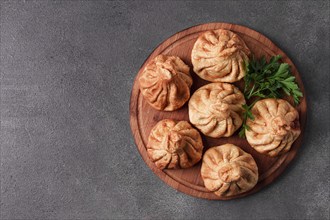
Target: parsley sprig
x=267 y=80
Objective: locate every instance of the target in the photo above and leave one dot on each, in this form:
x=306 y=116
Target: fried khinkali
x=174 y=144
x=227 y=170
x=220 y=56
x=165 y=83
x=274 y=128
x=216 y=109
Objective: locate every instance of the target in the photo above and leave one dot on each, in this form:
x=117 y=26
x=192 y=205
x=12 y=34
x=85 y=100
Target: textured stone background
x=67 y=71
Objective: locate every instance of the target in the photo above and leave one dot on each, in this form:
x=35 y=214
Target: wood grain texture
x=143 y=117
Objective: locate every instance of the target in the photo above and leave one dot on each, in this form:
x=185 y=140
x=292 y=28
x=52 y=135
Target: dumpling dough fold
x=220 y=56
x=275 y=126
x=227 y=170
x=174 y=144
x=216 y=109
x=165 y=83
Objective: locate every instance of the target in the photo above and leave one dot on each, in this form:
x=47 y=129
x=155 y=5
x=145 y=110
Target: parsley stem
x=251 y=91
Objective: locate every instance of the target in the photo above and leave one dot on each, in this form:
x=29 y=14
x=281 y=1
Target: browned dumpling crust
x=220 y=56
x=227 y=170
x=174 y=144
x=274 y=128
x=216 y=109
x=165 y=83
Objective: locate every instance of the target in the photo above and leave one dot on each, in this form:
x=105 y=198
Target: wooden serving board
x=143 y=117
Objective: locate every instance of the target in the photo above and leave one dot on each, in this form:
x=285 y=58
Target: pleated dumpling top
x=220 y=56
x=174 y=144
x=165 y=83
x=227 y=170
x=275 y=126
x=216 y=109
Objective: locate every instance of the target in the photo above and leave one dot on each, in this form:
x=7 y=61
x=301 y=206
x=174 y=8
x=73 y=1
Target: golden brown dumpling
x=165 y=83
x=274 y=128
x=216 y=109
x=227 y=170
x=220 y=56
x=174 y=144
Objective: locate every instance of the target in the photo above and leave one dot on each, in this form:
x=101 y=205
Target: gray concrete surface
x=67 y=70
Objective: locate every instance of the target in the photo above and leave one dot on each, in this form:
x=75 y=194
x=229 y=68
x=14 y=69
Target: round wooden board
x=143 y=117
